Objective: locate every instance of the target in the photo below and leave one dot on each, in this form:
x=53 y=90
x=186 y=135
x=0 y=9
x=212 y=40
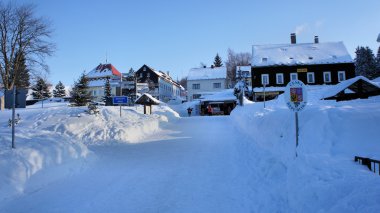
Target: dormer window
x=264 y=59
x=283 y=49
x=291 y=58
x=310 y=58
x=334 y=56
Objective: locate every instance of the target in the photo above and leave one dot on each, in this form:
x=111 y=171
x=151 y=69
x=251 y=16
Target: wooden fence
x=370 y=163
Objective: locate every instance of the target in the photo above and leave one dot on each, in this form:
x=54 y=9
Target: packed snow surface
x=245 y=162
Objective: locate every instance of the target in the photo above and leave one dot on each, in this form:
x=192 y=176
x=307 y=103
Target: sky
x=176 y=36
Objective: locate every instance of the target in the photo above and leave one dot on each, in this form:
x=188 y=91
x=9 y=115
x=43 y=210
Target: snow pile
x=324 y=176
x=50 y=141
x=36 y=150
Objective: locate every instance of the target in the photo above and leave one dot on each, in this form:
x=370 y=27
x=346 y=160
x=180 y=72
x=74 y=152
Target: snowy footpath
x=161 y=163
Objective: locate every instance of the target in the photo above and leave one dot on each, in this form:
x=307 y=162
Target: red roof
x=102 y=67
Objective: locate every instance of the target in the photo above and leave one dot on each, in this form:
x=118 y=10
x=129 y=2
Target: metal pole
x=297 y=133
x=264 y=95
x=13 y=116
x=120 y=110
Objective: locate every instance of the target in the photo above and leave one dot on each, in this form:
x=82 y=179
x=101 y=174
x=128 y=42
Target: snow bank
x=324 y=176
x=51 y=141
x=35 y=151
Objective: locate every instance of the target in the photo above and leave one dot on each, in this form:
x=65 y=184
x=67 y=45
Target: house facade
x=160 y=85
x=313 y=63
x=206 y=80
x=97 y=79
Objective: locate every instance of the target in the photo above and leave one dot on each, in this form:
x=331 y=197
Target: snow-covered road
x=195 y=165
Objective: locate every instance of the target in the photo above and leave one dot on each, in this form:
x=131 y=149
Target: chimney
x=316 y=39
x=293 y=38
x=212 y=66
x=204 y=66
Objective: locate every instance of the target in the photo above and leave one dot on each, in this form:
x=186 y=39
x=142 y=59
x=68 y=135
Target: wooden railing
x=370 y=163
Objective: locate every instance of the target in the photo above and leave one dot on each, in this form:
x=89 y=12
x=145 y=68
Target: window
x=141 y=75
x=341 y=76
x=264 y=79
x=148 y=75
x=280 y=78
x=196 y=96
x=196 y=86
x=94 y=93
x=144 y=69
x=327 y=77
x=310 y=78
x=264 y=60
x=217 y=85
x=293 y=76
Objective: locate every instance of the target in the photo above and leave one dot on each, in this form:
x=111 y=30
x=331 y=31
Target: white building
x=97 y=79
x=207 y=80
x=160 y=84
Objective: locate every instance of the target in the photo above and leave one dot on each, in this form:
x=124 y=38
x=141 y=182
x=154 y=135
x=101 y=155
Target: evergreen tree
x=107 y=90
x=41 y=89
x=59 y=90
x=218 y=61
x=365 y=63
x=377 y=74
x=80 y=94
x=22 y=76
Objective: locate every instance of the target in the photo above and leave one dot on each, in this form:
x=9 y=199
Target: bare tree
x=233 y=60
x=183 y=82
x=22 y=32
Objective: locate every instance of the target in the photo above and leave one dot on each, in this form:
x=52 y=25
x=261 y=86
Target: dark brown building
x=313 y=63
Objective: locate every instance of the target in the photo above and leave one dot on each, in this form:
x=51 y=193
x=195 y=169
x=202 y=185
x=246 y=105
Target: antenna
x=106 y=57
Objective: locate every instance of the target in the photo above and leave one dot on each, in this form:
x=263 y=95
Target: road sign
x=296 y=95
x=120 y=100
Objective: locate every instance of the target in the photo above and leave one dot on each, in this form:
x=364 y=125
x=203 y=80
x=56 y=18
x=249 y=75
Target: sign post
x=296 y=99
x=120 y=100
x=13 y=116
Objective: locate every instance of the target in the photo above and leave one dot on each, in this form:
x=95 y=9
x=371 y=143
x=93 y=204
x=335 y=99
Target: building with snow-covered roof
x=160 y=84
x=97 y=79
x=313 y=63
x=206 y=80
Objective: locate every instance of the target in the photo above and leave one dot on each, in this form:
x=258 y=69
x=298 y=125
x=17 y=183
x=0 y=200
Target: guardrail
x=370 y=163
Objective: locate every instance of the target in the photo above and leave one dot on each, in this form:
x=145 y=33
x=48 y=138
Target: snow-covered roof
x=207 y=73
x=143 y=99
x=225 y=95
x=269 y=89
x=300 y=54
x=345 y=84
x=103 y=70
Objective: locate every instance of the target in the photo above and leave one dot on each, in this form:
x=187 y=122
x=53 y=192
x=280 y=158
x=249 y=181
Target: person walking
x=209 y=110
x=189 y=110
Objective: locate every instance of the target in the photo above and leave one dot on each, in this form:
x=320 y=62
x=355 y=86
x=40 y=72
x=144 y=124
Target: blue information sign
x=120 y=100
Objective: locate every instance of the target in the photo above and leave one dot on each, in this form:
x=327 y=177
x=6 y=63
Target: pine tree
x=59 y=90
x=218 y=61
x=377 y=74
x=80 y=93
x=41 y=89
x=107 y=90
x=365 y=63
x=22 y=76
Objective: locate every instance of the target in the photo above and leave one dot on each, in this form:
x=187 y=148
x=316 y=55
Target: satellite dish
x=378 y=38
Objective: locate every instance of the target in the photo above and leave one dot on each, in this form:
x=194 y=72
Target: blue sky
x=177 y=35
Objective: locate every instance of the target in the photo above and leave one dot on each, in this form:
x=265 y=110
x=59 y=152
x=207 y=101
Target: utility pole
x=13 y=116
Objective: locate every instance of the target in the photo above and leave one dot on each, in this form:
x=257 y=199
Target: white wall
x=205 y=86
